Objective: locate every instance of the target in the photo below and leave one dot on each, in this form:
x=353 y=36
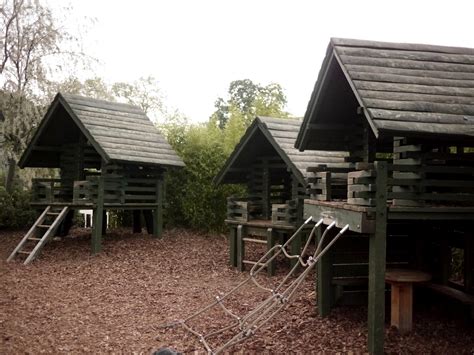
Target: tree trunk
x=10 y=177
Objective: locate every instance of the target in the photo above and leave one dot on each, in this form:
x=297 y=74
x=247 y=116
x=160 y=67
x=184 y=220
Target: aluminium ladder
x=46 y=225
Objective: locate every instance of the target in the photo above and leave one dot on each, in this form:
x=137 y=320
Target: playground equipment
x=279 y=297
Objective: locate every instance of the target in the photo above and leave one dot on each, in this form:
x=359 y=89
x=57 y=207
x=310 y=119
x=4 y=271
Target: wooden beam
x=158 y=215
x=324 y=289
x=240 y=247
x=270 y=244
x=98 y=217
x=233 y=246
x=377 y=260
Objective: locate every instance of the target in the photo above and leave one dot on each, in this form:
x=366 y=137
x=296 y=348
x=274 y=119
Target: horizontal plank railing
x=117 y=191
x=244 y=208
x=414 y=185
x=51 y=190
x=285 y=213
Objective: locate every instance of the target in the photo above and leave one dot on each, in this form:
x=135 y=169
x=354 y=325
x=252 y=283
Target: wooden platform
x=72 y=205
x=361 y=219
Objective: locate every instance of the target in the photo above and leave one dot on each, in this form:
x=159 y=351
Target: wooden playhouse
x=109 y=155
x=274 y=174
x=405 y=114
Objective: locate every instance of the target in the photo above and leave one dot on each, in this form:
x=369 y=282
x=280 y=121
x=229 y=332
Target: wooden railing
x=285 y=213
x=250 y=208
x=51 y=190
x=409 y=185
x=244 y=208
x=117 y=191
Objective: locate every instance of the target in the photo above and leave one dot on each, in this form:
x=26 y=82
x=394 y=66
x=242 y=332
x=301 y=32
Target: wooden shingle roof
x=404 y=88
x=281 y=134
x=118 y=132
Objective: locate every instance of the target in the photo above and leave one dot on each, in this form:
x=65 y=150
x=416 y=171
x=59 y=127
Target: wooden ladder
x=270 y=241
x=31 y=244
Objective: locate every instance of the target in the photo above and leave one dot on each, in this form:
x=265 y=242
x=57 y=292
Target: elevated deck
x=361 y=219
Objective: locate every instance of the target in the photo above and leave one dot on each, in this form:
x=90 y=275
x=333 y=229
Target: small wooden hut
x=110 y=156
x=274 y=173
x=405 y=113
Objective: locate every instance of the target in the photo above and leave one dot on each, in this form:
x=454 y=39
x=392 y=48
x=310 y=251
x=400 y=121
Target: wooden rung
x=24 y=252
x=33 y=238
x=44 y=225
x=53 y=213
x=253 y=263
x=252 y=240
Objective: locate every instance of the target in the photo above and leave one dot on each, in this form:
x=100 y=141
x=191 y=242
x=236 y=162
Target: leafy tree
x=247 y=100
x=29 y=39
x=144 y=93
x=93 y=87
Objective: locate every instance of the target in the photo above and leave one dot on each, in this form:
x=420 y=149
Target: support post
x=377 y=258
x=137 y=221
x=240 y=248
x=233 y=246
x=148 y=216
x=324 y=272
x=270 y=244
x=98 y=217
x=158 y=216
x=296 y=248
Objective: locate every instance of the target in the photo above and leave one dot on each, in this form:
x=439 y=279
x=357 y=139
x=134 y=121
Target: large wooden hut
x=266 y=162
x=109 y=155
x=405 y=114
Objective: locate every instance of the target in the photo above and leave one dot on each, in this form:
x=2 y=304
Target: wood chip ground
x=70 y=302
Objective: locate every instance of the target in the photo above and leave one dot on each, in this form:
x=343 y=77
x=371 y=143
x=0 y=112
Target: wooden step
x=43 y=225
x=24 y=252
x=53 y=213
x=253 y=263
x=34 y=238
x=252 y=240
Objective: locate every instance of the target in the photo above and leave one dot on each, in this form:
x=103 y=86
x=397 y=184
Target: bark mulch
x=68 y=301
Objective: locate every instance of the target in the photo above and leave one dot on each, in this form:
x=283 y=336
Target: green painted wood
x=98 y=219
x=377 y=259
x=137 y=221
x=271 y=241
x=233 y=246
x=325 y=290
x=240 y=247
x=148 y=217
x=158 y=214
x=296 y=246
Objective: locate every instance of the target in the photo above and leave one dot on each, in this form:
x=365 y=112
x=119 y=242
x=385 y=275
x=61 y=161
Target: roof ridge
x=350 y=42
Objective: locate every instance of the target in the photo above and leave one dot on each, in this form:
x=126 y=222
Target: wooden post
x=469 y=265
x=324 y=288
x=377 y=258
x=98 y=217
x=148 y=216
x=402 y=307
x=240 y=248
x=158 y=217
x=270 y=244
x=267 y=208
x=296 y=248
x=233 y=246
x=137 y=221
x=104 y=222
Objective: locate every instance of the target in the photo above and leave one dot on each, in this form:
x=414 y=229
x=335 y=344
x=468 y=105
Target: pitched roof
x=118 y=132
x=281 y=134
x=403 y=88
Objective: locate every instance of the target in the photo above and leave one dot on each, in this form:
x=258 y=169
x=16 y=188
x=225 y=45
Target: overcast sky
x=196 y=48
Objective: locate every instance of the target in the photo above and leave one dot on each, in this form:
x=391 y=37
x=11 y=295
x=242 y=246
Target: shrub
x=192 y=198
x=15 y=209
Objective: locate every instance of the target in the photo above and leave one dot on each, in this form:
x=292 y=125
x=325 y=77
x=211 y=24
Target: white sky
x=196 y=48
